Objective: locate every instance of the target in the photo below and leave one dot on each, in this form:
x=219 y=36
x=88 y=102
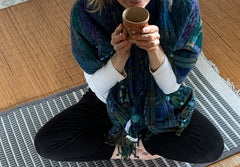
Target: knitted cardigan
x=137 y=102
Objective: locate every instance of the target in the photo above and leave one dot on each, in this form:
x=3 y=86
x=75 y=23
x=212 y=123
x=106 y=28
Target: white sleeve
x=165 y=78
x=103 y=80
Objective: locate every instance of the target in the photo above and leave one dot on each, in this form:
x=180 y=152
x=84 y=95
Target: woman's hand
x=149 y=40
x=122 y=47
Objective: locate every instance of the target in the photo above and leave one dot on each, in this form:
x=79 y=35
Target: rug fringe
x=8 y=3
x=232 y=86
x=228 y=82
x=214 y=66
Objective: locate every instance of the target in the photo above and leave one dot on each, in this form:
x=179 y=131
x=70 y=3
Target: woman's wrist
x=118 y=63
x=156 y=58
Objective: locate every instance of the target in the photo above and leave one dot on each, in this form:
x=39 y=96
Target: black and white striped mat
x=19 y=126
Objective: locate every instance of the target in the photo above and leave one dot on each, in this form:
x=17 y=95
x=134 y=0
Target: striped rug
x=18 y=126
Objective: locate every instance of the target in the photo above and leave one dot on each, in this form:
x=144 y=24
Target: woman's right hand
x=122 y=47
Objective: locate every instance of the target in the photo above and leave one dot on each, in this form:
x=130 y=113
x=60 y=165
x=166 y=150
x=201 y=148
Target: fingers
x=148 y=46
x=121 y=45
x=117 y=36
x=149 y=40
x=147 y=37
x=116 y=39
x=118 y=30
x=120 y=42
x=150 y=29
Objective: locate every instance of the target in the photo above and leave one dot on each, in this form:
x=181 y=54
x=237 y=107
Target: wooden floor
x=36 y=59
x=221 y=30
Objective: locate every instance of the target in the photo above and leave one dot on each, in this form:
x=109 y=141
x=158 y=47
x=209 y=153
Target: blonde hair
x=98 y=5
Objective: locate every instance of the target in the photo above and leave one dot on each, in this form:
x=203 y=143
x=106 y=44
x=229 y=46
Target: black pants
x=76 y=134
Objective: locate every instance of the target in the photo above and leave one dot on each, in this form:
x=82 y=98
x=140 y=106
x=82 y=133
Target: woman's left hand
x=149 y=39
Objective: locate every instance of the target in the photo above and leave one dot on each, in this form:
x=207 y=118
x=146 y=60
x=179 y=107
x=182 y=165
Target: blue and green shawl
x=137 y=102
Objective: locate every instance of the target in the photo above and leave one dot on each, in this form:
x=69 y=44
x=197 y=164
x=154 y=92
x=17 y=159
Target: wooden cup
x=134 y=19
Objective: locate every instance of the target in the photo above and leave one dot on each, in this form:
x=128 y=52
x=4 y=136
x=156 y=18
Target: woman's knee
x=215 y=149
x=209 y=140
x=42 y=144
x=212 y=150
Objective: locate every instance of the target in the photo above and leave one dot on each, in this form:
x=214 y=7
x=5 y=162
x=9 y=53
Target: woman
x=136 y=90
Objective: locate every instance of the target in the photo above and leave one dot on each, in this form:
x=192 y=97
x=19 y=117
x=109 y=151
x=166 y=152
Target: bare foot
x=141 y=153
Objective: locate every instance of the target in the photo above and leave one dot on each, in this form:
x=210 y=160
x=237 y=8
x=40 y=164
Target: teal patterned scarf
x=137 y=103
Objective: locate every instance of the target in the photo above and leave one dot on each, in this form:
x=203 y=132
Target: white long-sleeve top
x=106 y=77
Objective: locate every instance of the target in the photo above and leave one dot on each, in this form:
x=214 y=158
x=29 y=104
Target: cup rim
x=124 y=18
